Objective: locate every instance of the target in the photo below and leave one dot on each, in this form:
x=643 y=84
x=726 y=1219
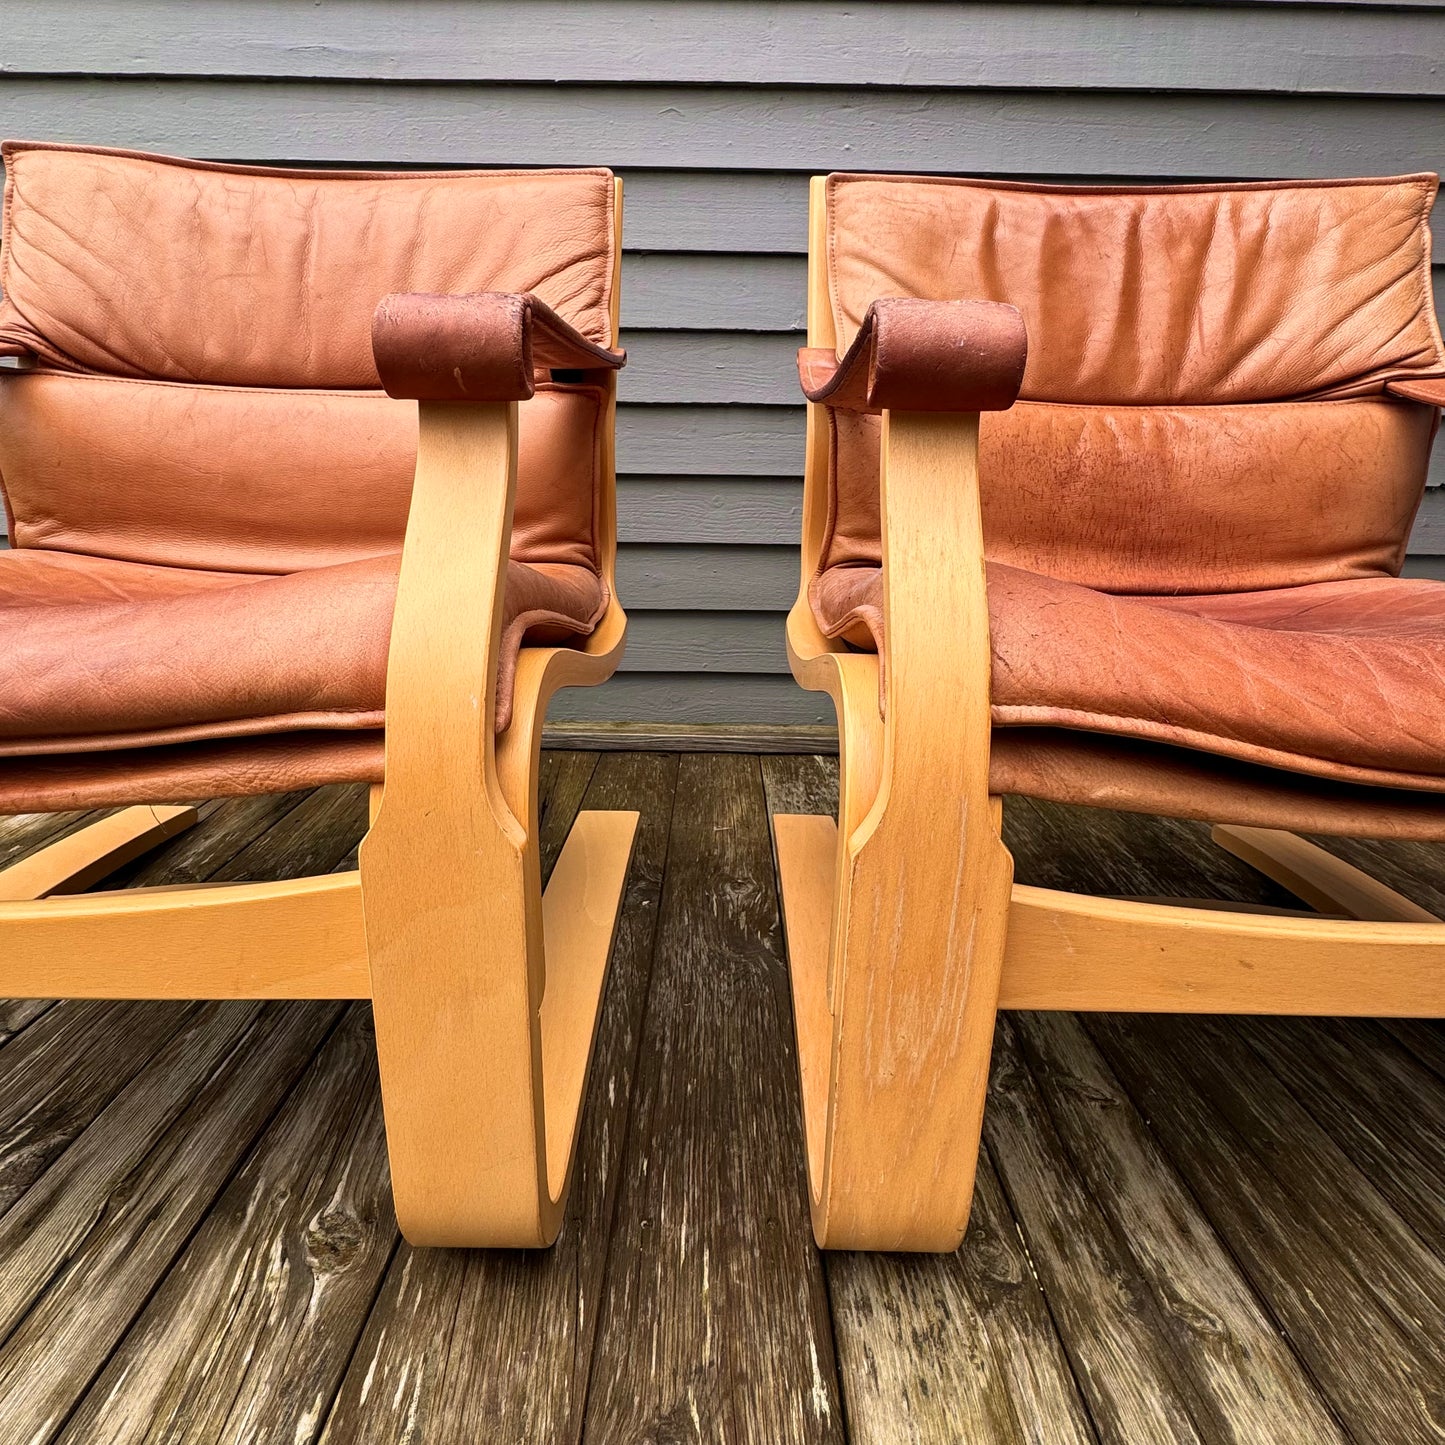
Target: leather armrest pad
x=914 y=355
x=1430 y=389
x=484 y=346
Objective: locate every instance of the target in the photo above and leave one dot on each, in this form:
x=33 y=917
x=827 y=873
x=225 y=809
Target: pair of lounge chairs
x=240 y=566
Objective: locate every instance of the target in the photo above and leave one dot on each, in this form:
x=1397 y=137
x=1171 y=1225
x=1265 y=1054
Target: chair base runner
x=74 y=862
x=1324 y=881
x=1077 y=952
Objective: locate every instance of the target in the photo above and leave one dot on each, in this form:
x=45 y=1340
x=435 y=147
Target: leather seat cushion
x=1122 y=775
x=118 y=655
x=210 y=768
x=1342 y=680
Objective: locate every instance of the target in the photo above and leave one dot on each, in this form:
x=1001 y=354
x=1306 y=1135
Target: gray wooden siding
x=716 y=112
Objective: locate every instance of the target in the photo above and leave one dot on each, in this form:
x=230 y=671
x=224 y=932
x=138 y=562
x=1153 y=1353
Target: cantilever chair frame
x=486 y=991
x=905 y=931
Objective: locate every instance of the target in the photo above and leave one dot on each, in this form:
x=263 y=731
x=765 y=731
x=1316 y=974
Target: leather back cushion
x=207 y=398
x=1164 y=443
x=1178 y=295
x=143 y=266
x=261 y=480
x=1175 y=499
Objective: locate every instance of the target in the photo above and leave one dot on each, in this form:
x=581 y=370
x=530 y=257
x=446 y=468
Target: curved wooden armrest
x=481 y=347
x=913 y=355
x=1429 y=389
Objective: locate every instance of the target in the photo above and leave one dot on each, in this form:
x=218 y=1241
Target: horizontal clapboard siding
x=715 y=112
x=1054 y=47
x=756 y=128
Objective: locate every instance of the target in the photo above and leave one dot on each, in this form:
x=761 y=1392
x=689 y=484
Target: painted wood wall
x=716 y=112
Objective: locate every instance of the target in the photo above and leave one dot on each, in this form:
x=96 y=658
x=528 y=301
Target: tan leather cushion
x=1159 y=295
x=1341 y=680
x=1120 y=774
x=109 y=655
x=1175 y=499
x=262 y=480
x=212 y=768
x=142 y=265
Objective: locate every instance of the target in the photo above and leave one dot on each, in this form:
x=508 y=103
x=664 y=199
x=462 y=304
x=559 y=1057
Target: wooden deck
x=1185 y=1229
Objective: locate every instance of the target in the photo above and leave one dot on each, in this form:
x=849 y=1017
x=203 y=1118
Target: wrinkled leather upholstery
x=1154 y=295
x=1099 y=771
x=104 y=654
x=1175 y=499
x=206 y=488
x=262 y=480
x=1336 y=679
x=1196 y=516
x=227 y=768
x=139 y=265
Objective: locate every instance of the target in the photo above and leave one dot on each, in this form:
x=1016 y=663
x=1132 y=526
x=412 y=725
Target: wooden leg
x=1325 y=882
x=482 y=1079
x=485 y=994
x=895 y=1073
x=915 y=882
x=579 y=921
x=807 y=849
x=84 y=857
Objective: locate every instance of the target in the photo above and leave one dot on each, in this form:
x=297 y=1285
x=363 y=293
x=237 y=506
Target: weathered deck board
x=1389 y=1117
x=941 y=1349
x=714 y=1320
x=956 y=1347
x=1218 y=1230
x=1381 y=1375
x=54 y=1078
x=198 y=853
x=507 y=1337
x=1246 y=1383
x=1119 y=1341
x=24 y=832
x=101 y=1251
x=228 y=1349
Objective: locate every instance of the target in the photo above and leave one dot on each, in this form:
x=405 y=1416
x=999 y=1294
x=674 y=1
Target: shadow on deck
x=1186 y=1229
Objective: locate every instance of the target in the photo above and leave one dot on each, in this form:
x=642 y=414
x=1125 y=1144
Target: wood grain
x=60 y=1072
x=87 y=855
x=100 y=1264
x=1119 y=1342
x=17 y=1014
x=714 y=1319
x=1373 y=1097
x=1319 y=1261
x=936 y=1349
x=228 y=1349
x=458 y=1341
x=1247 y=1384
x=21 y=833
x=1234 y=1219
x=224 y=830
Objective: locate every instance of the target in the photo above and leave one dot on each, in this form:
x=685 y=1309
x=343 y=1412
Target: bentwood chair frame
x=905 y=931
x=485 y=989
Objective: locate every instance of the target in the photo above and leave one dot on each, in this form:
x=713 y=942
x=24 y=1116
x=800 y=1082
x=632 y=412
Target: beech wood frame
x=486 y=991
x=905 y=931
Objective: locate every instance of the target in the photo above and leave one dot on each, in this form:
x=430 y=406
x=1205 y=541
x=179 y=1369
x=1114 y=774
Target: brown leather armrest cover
x=914 y=355
x=1430 y=389
x=485 y=346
